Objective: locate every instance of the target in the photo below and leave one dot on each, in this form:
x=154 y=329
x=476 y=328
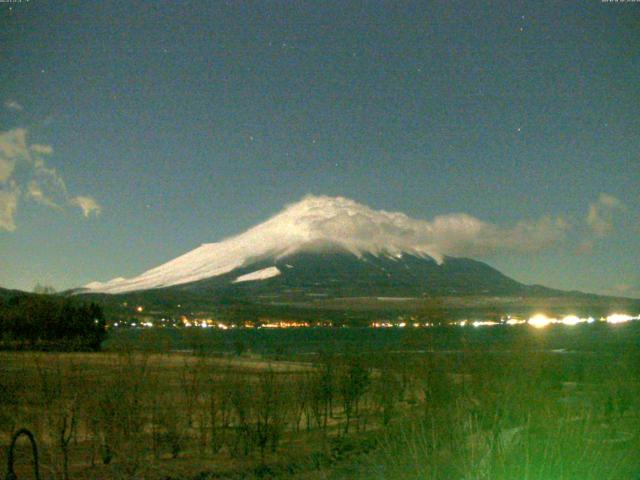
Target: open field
x=530 y=405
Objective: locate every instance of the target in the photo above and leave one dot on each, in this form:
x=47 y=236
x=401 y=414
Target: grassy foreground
x=518 y=412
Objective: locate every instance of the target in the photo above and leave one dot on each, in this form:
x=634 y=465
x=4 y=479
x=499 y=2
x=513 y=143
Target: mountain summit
x=343 y=233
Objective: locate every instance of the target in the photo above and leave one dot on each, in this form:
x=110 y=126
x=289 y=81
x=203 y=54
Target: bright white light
x=541 y=321
x=487 y=323
x=513 y=321
x=619 y=318
x=572 y=320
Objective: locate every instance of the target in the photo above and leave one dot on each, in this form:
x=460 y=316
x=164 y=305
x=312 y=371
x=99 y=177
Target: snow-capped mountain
x=330 y=241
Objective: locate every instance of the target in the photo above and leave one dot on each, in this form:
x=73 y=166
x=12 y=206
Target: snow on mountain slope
x=317 y=223
x=263 y=274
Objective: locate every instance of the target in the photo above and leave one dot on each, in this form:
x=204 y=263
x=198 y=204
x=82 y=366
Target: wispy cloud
x=360 y=228
x=25 y=175
x=35 y=192
x=461 y=234
x=42 y=149
x=87 y=204
x=13 y=105
x=7 y=166
x=601 y=214
x=9 y=195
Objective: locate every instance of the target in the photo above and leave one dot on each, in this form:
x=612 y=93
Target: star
x=519 y=129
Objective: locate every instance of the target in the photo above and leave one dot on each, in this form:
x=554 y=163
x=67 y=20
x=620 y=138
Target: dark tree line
x=50 y=322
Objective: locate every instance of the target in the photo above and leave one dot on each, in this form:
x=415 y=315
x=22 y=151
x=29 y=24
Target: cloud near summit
x=25 y=176
x=359 y=228
x=461 y=234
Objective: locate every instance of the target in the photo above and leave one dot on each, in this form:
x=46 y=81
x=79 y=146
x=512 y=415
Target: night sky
x=132 y=132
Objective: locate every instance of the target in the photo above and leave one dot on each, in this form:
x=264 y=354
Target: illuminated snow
x=258 y=275
x=318 y=222
x=314 y=223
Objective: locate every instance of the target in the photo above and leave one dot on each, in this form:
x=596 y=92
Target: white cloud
x=88 y=205
x=8 y=205
x=610 y=201
x=7 y=166
x=601 y=213
x=23 y=168
x=461 y=234
x=360 y=228
x=13 y=105
x=34 y=191
x=13 y=144
x=42 y=149
x=12 y=149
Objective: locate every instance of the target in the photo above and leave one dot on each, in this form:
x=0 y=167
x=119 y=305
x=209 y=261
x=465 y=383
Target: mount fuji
x=332 y=246
x=338 y=259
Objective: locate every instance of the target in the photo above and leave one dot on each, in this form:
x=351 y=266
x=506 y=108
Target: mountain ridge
x=316 y=223
x=322 y=249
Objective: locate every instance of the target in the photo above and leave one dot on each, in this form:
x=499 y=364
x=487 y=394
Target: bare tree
x=219 y=407
x=353 y=381
x=387 y=393
x=59 y=397
x=241 y=400
x=270 y=409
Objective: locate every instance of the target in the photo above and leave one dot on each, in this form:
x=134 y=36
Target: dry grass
x=519 y=414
